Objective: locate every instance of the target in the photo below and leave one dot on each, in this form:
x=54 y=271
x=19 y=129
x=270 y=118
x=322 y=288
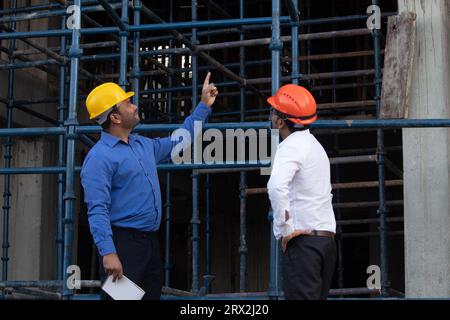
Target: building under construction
x=384 y=111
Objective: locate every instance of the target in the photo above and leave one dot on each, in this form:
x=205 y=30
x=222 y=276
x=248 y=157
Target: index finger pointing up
x=206 y=83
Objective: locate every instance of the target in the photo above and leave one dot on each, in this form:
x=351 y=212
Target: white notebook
x=123 y=289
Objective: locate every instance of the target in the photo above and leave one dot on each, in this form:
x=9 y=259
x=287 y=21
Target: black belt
x=317 y=233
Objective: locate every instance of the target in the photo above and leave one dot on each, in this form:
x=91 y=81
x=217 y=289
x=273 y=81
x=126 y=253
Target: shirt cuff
x=106 y=247
x=288 y=228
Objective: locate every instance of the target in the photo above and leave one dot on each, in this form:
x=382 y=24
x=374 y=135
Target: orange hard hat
x=295 y=103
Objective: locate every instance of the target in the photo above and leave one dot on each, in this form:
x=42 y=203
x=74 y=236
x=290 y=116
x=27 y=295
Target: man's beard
x=130 y=123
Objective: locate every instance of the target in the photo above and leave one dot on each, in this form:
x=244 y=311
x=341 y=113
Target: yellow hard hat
x=104 y=97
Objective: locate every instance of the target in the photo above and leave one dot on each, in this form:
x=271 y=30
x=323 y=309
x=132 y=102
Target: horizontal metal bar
x=28 y=64
x=343 y=105
x=46 y=6
x=24 y=132
x=368 y=204
x=162 y=167
x=366 y=184
x=320 y=124
x=266 y=41
x=353 y=291
x=47 y=284
x=366 y=221
x=264 y=295
x=367 y=150
x=225 y=170
x=370 y=234
x=50 y=13
x=353 y=159
x=140 y=28
x=35 y=170
x=337 y=186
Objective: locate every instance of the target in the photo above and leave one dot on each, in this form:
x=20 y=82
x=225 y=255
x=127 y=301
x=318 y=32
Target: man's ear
x=114 y=117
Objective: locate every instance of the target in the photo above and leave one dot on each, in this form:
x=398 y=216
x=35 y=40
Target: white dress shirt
x=300 y=184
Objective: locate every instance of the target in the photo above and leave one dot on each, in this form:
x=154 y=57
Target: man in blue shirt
x=121 y=187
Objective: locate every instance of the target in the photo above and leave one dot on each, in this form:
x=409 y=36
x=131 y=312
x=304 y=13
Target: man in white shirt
x=300 y=194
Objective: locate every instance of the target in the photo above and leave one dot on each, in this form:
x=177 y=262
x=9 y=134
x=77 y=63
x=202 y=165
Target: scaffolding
x=70 y=60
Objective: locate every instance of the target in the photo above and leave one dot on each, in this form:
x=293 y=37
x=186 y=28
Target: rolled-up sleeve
x=285 y=165
x=96 y=177
x=163 y=146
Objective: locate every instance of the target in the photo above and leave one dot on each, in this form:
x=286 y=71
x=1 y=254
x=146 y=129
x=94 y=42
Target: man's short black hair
x=105 y=125
x=295 y=127
x=291 y=125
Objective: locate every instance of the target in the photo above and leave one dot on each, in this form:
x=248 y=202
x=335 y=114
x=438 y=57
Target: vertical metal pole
x=137 y=6
x=8 y=157
x=61 y=152
x=242 y=178
x=295 y=49
x=208 y=208
x=69 y=196
x=340 y=240
x=382 y=211
x=208 y=225
x=123 y=48
x=195 y=177
x=275 y=46
x=167 y=263
x=308 y=31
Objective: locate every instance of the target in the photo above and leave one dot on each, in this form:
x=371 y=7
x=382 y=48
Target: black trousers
x=308 y=266
x=139 y=254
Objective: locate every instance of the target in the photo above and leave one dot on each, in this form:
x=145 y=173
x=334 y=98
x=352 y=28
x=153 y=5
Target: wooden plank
x=398 y=66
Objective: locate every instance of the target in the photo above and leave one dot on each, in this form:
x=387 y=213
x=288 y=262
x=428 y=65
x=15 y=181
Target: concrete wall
x=426 y=154
x=32 y=215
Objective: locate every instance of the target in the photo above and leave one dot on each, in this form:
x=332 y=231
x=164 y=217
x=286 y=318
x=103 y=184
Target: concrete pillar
x=426 y=154
x=32 y=215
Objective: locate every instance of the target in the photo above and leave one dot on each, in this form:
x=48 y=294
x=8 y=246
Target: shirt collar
x=109 y=139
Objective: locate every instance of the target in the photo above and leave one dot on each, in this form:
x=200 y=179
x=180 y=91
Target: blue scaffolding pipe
x=49 y=14
x=242 y=175
x=276 y=46
x=124 y=46
x=48 y=284
x=208 y=232
x=161 y=167
x=8 y=160
x=30 y=8
x=195 y=221
x=382 y=210
x=293 y=5
x=141 y=28
x=48 y=6
x=167 y=244
x=340 y=242
x=207 y=277
x=319 y=124
x=136 y=48
x=28 y=64
x=71 y=123
x=61 y=152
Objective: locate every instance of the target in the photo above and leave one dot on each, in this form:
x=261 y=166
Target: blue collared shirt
x=120 y=182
